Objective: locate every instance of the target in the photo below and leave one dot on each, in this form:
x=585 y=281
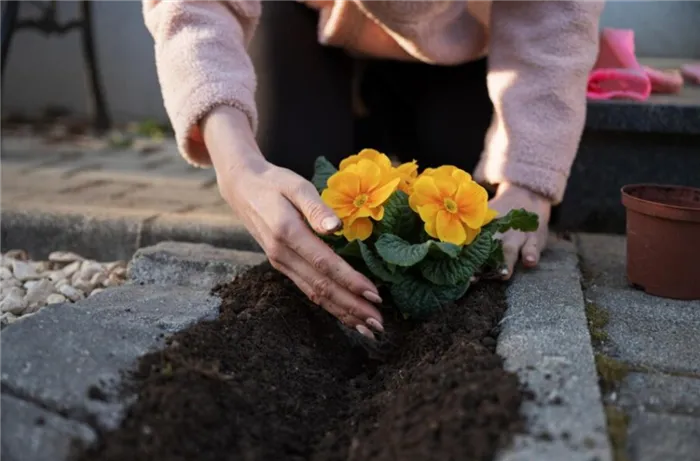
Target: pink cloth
x=618 y=75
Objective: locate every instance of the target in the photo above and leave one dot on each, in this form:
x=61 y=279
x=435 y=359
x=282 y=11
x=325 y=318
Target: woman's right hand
x=273 y=204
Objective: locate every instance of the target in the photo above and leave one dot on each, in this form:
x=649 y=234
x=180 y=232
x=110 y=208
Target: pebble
x=27 y=286
x=23 y=271
x=13 y=301
x=65 y=257
x=71 y=293
x=5 y=273
x=55 y=298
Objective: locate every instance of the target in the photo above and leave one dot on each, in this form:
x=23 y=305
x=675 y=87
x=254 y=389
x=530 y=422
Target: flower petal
x=471 y=234
x=369 y=174
x=377 y=157
x=377 y=213
x=359 y=229
x=380 y=195
x=446 y=185
x=490 y=216
x=335 y=199
x=346 y=183
x=449 y=228
x=472 y=200
x=429 y=212
x=425 y=187
x=430 y=229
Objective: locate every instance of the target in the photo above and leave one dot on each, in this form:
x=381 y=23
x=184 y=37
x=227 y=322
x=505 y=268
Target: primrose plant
x=423 y=236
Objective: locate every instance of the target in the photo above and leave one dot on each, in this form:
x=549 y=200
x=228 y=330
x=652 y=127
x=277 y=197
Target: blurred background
x=48 y=71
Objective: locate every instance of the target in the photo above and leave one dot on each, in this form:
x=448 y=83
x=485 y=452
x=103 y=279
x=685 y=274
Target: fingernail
x=372 y=296
x=374 y=323
x=530 y=259
x=504 y=272
x=331 y=224
x=364 y=331
x=473 y=279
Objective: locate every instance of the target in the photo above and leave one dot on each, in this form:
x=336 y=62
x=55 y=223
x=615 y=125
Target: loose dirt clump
x=275 y=378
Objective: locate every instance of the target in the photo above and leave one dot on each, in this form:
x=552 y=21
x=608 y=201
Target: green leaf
x=496 y=257
x=395 y=250
x=521 y=220
x=459 y=270
x=399 y=219
x=449 y=249
x=323 y=169
x=417 y=298
x=376 y=265
x=351 y=249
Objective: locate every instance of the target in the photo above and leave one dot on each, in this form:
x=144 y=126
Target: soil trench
x=275 y=378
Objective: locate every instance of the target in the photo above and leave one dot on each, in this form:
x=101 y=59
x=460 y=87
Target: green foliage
x=456 y=271
x=422 y=274
x=418 y=298
x=399 y=219
x=323 y=169
x=521 y=220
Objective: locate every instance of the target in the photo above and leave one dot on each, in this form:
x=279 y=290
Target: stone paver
x=657 y=437
x=30 y=433
x=658 y=339
x=61 y=367
x=545 y=340
x=190 y=264
x=69 y=357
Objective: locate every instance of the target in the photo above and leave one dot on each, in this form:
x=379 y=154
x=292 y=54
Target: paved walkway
x=654 y=344
x=90 y=173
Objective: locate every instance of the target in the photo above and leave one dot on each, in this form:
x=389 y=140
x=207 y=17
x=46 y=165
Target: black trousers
x=434 y=114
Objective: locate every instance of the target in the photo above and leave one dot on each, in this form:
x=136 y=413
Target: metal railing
x=48 y=24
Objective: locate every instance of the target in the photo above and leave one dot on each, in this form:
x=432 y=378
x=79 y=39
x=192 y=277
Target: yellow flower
x=382 y=161
x=452 y=205
x=358 y=192
x=408 y=172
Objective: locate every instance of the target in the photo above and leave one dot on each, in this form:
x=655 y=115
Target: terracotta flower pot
x=663 y=239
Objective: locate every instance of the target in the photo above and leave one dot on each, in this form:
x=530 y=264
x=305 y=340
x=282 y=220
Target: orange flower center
x=360 y=200
x=450 y=205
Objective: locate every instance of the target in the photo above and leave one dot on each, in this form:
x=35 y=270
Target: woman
x=516 y=117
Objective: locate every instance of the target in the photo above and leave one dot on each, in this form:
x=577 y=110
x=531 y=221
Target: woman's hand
x=515 y=243
x=273 y=202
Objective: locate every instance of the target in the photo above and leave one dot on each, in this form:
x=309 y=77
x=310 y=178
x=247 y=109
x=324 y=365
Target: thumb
x=305 y=198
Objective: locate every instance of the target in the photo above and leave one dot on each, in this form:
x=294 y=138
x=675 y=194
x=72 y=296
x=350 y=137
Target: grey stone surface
x=647 y=331
x=656 y=437
x=608 y=160
x=659 y=393
x=190 y=264
x=30 y=433
x=545 y=340
x=97 y=235
x=69 y=357
x=674 y=114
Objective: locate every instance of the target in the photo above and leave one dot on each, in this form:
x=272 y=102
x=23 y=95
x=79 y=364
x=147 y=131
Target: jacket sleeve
x=540 y=57
x=202 y=63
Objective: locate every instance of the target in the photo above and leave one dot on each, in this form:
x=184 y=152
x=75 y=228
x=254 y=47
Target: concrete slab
x=545 y=340
x=195 y=265
x=656 y=437
x=69 y=357
x=31 y=433
x=661 y=394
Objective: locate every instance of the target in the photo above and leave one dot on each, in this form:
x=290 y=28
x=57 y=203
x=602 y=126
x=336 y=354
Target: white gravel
x=28 y=286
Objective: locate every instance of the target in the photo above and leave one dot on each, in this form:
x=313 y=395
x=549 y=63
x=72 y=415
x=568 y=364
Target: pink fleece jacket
x=540 y=55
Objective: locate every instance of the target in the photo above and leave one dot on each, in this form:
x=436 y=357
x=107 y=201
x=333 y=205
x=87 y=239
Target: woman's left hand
x=515 y=243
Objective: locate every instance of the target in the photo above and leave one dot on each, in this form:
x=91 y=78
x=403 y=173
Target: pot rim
x=659 y=209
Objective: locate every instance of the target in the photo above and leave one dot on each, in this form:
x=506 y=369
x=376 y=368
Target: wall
x=45 y=71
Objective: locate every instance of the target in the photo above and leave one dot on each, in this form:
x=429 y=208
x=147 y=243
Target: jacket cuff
x=203 y=100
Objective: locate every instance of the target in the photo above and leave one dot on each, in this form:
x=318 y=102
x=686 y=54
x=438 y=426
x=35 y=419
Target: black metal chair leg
x=102 y=121
x=9 y=19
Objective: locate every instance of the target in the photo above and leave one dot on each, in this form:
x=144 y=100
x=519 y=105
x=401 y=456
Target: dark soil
x=275 y=378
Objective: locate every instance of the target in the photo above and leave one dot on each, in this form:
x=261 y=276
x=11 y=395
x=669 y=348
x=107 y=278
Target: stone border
x=115 y=233
x=545 y=340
